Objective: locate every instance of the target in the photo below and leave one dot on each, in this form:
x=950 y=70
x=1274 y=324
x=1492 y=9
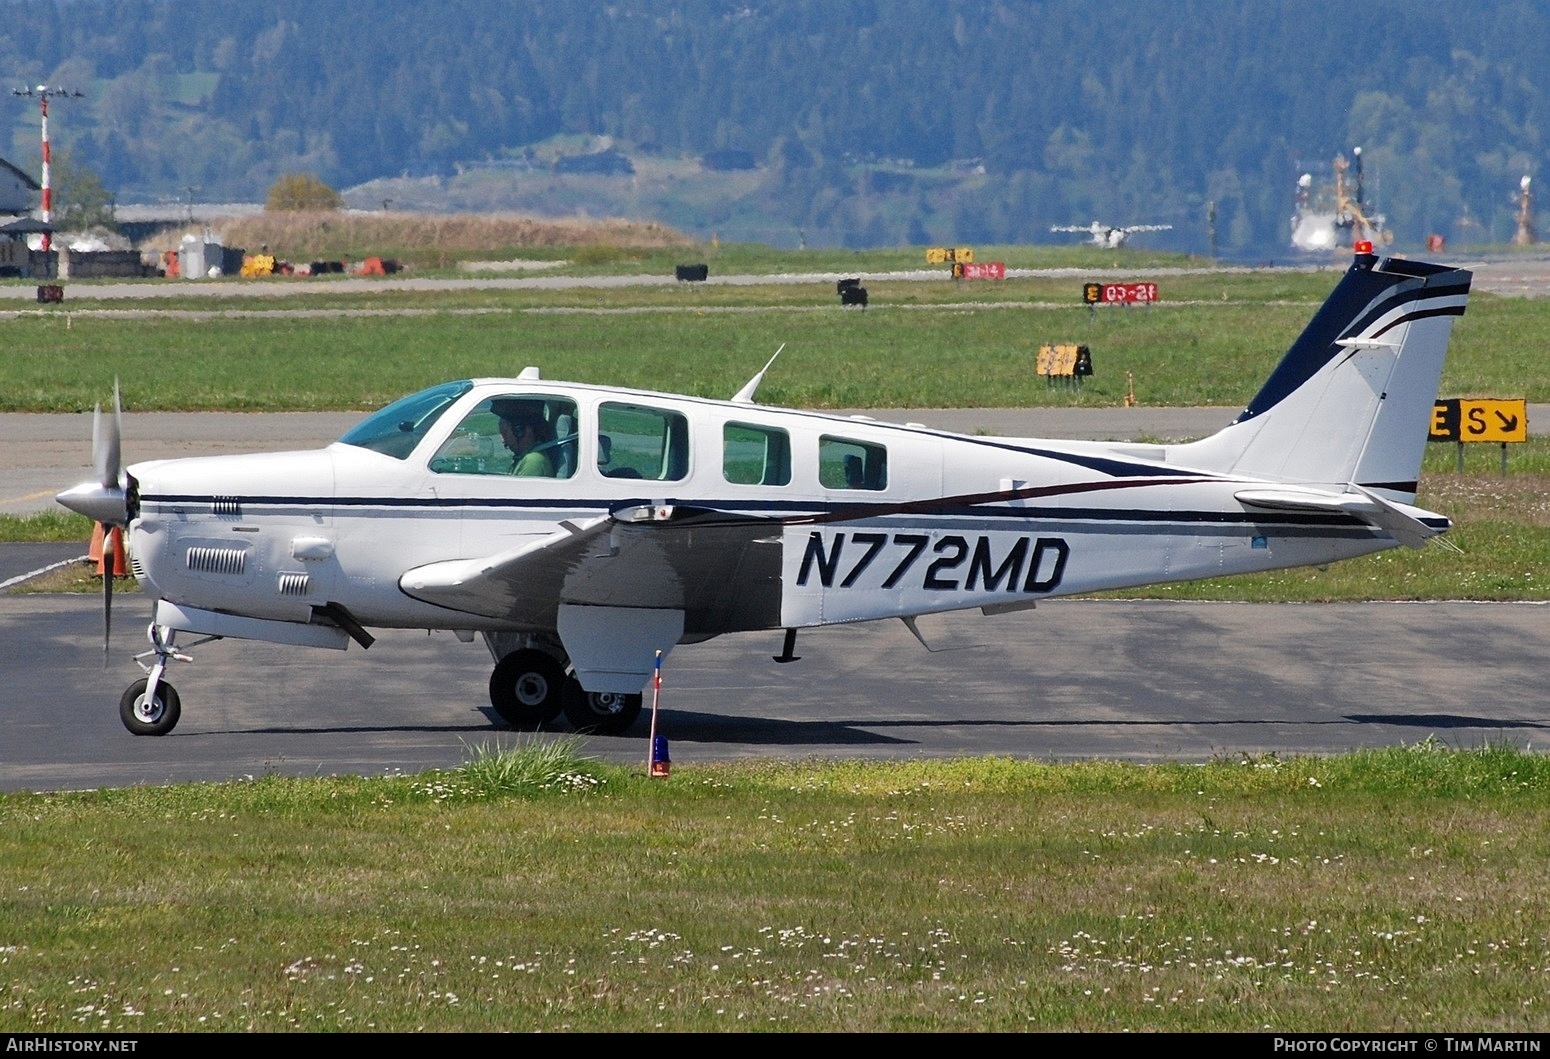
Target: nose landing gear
x=150 y=706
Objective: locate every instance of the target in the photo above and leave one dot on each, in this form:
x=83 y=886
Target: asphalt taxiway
x=1143 y=681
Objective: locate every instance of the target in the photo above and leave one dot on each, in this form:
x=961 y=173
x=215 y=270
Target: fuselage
x=840 y=518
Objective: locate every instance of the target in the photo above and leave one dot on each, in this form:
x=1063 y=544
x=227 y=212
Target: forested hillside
x=869 y=122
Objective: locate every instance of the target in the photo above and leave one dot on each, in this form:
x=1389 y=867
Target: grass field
x=1212 y=340
x=1397 y=890
x=924 y=348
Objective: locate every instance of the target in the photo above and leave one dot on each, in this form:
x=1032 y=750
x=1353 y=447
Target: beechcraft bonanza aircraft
x=580 y=529
x=1108 y=237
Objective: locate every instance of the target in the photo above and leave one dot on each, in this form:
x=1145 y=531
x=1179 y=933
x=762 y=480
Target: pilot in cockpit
x=527 y=434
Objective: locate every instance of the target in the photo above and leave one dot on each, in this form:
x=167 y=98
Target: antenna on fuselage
x=745 y=395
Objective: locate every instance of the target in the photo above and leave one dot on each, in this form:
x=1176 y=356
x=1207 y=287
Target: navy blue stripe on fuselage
x=1396 y=487
x=861 y=500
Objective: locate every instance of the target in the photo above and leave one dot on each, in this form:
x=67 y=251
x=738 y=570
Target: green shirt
x=533 y=464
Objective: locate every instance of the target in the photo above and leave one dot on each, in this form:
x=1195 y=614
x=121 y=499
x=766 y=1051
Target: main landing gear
x=530 y=689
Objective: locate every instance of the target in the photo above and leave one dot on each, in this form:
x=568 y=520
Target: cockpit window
x=395 y=430
x=523 y=435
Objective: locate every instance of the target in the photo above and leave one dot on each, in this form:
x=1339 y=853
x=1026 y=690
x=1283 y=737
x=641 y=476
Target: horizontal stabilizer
x=1359 y=503
x=1400 y=524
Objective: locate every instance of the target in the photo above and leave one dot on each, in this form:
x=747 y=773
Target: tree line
x=888 y=120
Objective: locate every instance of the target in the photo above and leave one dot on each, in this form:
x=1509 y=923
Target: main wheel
x=154 y=716
x=527 y=689
x=599 y=712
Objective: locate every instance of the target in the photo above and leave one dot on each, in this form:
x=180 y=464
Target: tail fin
x=1351 y=401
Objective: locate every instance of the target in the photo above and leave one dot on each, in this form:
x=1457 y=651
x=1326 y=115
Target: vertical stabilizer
x=1351 y=402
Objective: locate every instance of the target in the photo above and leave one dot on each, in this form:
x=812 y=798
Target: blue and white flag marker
x=659 y=763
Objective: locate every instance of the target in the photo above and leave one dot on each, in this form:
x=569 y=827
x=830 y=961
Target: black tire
x=599 y=712
x=527 y=689
x=156 y=717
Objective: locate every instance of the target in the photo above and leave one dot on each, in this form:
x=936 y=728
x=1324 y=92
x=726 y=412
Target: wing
x=721 y=570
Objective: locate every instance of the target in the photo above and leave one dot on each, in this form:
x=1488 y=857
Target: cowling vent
x=218 y=560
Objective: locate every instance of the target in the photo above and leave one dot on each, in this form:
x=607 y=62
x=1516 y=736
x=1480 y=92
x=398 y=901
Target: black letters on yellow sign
x=1030 y=564
x=1480 y=419
x=1445 y=420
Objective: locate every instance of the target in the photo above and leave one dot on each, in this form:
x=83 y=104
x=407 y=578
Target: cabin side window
x=636 y=441
x=753 y=455
x=526 y=436
x=847 y=464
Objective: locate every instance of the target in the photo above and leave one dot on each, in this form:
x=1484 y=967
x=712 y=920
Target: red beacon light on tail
x=1362 y=246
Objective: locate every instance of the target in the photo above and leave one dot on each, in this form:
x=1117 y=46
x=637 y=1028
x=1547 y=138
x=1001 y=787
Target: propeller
x=104 y=500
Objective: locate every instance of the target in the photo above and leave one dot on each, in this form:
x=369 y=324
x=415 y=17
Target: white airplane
x=637 y=521
x=1108 y=237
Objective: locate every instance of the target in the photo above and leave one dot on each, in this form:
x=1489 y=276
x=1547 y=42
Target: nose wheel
x=147 y=711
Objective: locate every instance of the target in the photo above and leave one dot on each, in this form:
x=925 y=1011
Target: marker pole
x=48 y=198
x=658 y=764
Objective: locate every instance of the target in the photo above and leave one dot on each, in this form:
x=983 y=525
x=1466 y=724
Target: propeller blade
x=107 y=444
x=109 y=561
x=103 y=500
x=96 y=440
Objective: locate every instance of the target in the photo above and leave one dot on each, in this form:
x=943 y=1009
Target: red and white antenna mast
x=1525 y=236
x=43 y=92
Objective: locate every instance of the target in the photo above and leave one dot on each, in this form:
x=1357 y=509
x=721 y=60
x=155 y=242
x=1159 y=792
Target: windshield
x=397 y=429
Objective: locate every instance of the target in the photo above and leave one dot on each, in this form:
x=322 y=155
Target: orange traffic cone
x=94 y=553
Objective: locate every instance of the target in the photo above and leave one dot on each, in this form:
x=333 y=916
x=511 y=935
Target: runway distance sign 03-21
x=1119 y=293
x=984 y=270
